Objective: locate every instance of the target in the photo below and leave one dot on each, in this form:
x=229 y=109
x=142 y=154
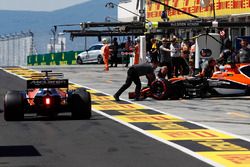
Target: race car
x=46 y=95
x=233 y=80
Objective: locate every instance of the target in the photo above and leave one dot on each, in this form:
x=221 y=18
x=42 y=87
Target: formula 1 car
x=234 y=80
x=46 y=95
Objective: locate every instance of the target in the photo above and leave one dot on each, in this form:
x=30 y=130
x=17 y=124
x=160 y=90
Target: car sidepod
x=227 y=87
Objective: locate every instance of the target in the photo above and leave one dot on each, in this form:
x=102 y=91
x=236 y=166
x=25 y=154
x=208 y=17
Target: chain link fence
x=15 y=48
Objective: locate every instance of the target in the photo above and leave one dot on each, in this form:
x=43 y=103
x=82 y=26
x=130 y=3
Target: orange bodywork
x=32 y=93
x=232 y=74
x=172 y=80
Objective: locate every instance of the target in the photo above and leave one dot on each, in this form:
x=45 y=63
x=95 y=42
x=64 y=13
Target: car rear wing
x=47 y=74
x=48 y=83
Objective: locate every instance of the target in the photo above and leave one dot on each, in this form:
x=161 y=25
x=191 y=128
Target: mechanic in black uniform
x=133 y=75
x=114 y=52
x=244 y=53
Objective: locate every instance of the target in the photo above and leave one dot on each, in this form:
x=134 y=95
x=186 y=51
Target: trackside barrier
x=61 y=58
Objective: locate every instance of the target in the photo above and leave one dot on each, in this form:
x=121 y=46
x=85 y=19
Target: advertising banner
x=222 y=8
x=61 y=58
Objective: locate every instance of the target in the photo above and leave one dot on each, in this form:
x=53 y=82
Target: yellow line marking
x=146 y=118
x=229 y=159
x=189 y=134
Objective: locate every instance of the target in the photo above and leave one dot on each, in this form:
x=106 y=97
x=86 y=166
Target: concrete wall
x=14 y=49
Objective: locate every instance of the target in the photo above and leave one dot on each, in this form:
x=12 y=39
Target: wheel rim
x=159 y=89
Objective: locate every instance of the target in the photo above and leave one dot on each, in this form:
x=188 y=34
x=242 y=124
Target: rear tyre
x=14 y=102
x=80 y=104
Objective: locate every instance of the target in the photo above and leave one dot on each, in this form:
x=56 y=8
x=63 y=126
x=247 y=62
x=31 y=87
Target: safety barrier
x=61 y=58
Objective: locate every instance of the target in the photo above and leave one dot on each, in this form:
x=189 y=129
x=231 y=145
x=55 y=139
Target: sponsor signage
x=62 y=83
x=222 y=8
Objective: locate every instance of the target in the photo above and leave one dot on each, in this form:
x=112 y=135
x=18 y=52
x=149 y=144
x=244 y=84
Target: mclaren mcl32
x=46 y=95
x=233 y=80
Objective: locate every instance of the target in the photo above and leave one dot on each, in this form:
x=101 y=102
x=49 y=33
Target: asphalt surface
x=39 y=142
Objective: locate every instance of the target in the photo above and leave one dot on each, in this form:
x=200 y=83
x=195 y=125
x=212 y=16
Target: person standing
x=244 y=53
x=133 y=75
x=114 y=53
x=137 y=51
x=185 y=52
x=128 y=49
x=227 y=55
x=105 y=54
x=175 y=55
x=154 y=54
x=165 y=58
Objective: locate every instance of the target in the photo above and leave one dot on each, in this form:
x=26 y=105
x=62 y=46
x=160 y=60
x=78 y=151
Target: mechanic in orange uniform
x=137 y=51
x=105 y=53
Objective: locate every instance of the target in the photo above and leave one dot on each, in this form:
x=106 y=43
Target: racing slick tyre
x=159 y=89
x=80 y=103
x=14 y=102
x=176 y=90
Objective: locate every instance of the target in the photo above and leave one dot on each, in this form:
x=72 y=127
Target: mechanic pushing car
x=133 y=75
x=208 y=68
x=162 y=73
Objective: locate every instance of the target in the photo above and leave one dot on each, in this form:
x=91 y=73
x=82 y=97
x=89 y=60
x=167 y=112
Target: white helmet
x=104 y=40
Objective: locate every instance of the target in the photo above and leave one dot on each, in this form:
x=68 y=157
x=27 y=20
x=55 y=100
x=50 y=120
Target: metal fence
x=15 y=48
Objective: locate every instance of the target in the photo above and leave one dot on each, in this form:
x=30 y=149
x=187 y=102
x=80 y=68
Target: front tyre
x=159 y=89
x=14 y=102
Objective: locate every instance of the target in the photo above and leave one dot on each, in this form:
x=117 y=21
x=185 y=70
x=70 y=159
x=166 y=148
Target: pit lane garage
x=234 y=80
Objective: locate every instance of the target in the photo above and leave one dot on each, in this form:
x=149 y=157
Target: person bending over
x=208 y=68
x=133 y=75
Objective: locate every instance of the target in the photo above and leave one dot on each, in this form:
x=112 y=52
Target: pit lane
x=194 y=110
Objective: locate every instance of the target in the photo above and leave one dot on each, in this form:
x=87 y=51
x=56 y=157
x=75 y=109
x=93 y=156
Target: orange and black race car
x=47 y=95
x=234 y=80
